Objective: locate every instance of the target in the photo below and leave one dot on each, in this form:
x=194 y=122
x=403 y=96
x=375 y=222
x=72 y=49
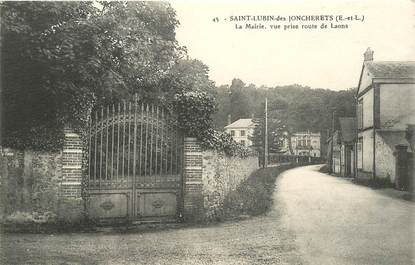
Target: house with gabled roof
x=385 y=109
x=241 y=131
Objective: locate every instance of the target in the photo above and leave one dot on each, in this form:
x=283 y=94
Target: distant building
x=241 y=131
x=341 y=148
x=306 y=144
x=385 y=109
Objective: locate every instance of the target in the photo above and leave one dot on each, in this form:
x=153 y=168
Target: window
x=360 y=144
x=232 y=132
x=243 y=142
x=242 y=132
x=359 y=148
x=360 y=114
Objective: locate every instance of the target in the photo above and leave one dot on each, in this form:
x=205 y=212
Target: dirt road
x=316 y=219
x=338 y=222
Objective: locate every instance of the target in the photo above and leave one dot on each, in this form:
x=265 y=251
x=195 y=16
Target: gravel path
x=254 y=241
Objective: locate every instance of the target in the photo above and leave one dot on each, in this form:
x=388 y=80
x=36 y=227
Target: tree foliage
x=60 y=59
x=189 y=75
x=291 y=109
x=220 y=117
x=194 y=111
x=223 y=142
x=239 y=100
x=276 y=135
x=300 y=108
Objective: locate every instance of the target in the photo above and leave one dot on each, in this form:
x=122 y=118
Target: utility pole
x=332 y=169
x=266 y=134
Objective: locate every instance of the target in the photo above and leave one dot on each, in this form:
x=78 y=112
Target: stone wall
x=38 y=186
x=221 y=175
x=367 y=151
x=385 y=160
x=42 y=186
x=208 y=177
x=30 y=182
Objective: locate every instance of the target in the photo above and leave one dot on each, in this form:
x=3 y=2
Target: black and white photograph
x=207 y=132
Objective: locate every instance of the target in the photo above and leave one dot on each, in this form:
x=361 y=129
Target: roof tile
x=390 y=69
x=241 y=123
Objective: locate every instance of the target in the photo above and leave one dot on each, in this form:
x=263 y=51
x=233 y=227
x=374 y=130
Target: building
x=385 y=108
x=342 y=148
x=305 y=144
x=333 y=151
x=241 y=131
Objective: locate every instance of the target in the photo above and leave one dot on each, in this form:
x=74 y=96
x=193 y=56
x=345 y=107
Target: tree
x=220 y=116
x=60 y=59
x=276 y=127
x=141 y=36
x=30 y=49
x=301 y=108
x=191 y=93
x=240 y=105
x=305 y=108
x=188 y=75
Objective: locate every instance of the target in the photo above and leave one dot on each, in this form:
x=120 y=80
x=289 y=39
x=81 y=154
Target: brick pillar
x=71 y=203
x=71 y=184
x=192 y=180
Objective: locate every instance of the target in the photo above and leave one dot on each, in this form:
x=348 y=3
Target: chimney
x=368 y=55
x=229 y=119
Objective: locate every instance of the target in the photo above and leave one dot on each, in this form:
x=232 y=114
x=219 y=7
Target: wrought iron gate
x=135 y=163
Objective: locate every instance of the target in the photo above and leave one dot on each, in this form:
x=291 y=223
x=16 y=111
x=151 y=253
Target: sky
x=330 y=58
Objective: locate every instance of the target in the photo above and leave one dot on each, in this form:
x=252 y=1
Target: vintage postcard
x=207 y=132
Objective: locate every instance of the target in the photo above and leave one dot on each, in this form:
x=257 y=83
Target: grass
x=368 y=182
x=374 y=183
x=324 y=169
x=254 y=195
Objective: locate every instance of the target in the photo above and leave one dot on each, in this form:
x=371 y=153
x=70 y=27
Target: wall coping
x=190 y=139
x=67 y=134
x=72 y=183
x=78 y=151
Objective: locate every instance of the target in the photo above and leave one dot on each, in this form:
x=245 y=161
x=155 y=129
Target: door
x=134 y=163
x=347 y=161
